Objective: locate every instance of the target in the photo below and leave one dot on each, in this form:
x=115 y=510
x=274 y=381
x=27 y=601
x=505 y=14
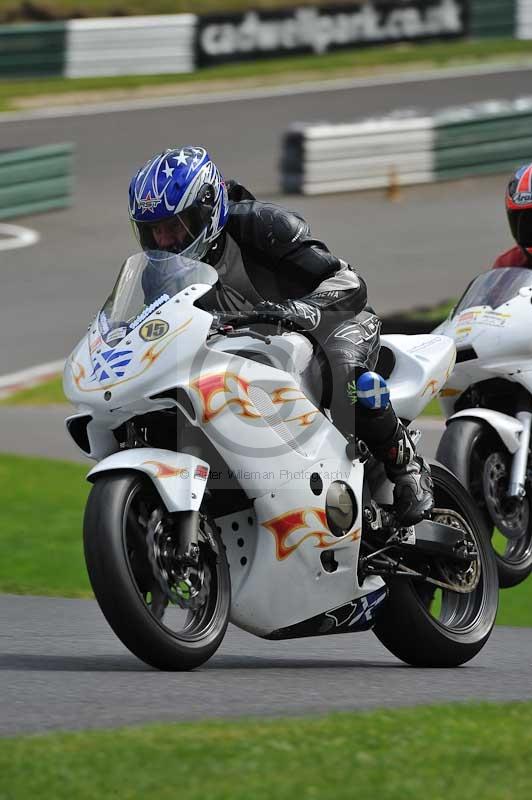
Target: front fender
x=508 y=428
x=179 y=478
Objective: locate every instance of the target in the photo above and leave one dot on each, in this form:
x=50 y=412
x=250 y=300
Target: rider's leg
x=352 y=349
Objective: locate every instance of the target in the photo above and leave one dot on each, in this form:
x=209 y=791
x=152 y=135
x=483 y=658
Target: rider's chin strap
x=528 y=256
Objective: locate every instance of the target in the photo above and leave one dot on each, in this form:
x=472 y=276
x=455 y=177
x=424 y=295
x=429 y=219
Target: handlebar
x=234 y=327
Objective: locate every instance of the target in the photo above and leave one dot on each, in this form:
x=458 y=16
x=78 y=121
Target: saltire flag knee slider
x=372 y=391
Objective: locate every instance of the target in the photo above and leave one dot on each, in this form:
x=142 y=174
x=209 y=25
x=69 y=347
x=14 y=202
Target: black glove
x=294 y=314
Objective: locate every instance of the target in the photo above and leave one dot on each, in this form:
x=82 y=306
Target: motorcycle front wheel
x=465 y=448
x=426 y=626
x=129 y=543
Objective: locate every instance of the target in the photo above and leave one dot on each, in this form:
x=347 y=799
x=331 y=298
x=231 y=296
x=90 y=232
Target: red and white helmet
x=519 y=206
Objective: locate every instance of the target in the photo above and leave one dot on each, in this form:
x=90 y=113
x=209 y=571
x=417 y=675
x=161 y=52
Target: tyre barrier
x=35 y=179
x=399 y=150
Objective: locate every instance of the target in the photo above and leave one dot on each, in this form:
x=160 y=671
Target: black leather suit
x=268 y=253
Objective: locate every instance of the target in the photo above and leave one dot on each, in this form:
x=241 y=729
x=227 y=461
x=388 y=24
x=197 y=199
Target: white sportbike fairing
x=255 y=504
x=488 y=404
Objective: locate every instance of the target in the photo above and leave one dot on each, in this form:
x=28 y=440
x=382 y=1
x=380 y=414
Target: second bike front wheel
x=478 y=458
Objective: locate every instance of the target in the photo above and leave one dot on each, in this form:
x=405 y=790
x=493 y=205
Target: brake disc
x=509 y=514
x=187 y=587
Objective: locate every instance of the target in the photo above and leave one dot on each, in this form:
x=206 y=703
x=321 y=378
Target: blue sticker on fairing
x=115 y=363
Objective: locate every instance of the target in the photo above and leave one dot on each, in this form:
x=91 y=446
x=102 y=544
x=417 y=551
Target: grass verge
x=41 y=511
x=469 y=750
x=47 y=393
x=64 y=9
x=14 y=93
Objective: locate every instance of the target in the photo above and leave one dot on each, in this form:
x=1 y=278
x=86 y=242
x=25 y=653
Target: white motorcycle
x=223 y=490
x=488 y=402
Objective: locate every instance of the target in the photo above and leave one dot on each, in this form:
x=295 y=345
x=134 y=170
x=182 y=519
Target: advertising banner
x=321 y=29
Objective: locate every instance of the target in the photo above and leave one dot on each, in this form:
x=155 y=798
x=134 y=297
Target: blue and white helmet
x=182 y=187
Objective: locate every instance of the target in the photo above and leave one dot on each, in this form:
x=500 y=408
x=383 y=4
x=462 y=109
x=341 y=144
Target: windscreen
x=146 y=281
x=493 y=288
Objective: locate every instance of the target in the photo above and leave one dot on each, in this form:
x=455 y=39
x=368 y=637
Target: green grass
x=432 y=409
x=45 y=393
x=350 y=62
x=441 y=752
x=435 y=313
x=41 y=511
x=59 y=9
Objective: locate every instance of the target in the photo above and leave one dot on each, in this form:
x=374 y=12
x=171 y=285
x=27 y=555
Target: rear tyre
x=447 y=631
x=467 y=448
x=123 y=556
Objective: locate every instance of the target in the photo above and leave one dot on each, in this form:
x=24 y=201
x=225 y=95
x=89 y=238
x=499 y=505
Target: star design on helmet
x=168 y=170
x=149 y=203
x=181 y=158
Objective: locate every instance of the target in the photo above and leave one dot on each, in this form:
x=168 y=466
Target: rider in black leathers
x=265 y=254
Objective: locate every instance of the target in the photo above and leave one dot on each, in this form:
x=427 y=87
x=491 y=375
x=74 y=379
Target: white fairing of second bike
x=500 y=339
x=508 y=428
x=179 y=478
x=422 y=367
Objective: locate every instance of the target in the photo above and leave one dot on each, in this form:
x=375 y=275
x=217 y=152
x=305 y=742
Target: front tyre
x=476 y=455
x=128 y=551
x=429 y=627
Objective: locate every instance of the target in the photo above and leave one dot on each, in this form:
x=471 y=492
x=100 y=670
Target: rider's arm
x=285 y=241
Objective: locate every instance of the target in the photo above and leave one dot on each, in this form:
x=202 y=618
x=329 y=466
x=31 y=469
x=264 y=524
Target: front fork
x=518 y=471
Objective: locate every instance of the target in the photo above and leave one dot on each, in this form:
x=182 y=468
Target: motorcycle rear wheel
x=411 y=626
x=126 y=584
x=464 y=447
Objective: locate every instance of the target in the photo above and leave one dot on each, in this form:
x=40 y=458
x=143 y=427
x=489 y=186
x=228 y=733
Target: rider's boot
x=410 y=474
x=389 y=441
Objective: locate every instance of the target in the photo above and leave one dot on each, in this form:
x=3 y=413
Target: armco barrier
x=32 y=50
x=475 y=140
x=493 y=18
x=524 y=19
x=35 y=179
x=133 y=46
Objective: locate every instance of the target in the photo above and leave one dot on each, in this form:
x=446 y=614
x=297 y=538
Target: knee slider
x=372 y=391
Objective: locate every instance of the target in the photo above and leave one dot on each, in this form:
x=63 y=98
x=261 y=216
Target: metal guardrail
x=35 y=179
x=523 y=28
x=492 y=18
x=133 y=46
x=32 y=50
x=456 y=143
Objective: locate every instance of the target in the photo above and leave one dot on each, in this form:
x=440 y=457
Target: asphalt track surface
x=61 y=667
x=419 y=250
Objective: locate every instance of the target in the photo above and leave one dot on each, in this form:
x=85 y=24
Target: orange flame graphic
x=278 y=395
x=166 y=471
x=304 y=419
x=282 y=527
x=229 y=384
x=433 y=386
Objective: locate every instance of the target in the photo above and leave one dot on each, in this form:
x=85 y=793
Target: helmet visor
x=177 y=233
